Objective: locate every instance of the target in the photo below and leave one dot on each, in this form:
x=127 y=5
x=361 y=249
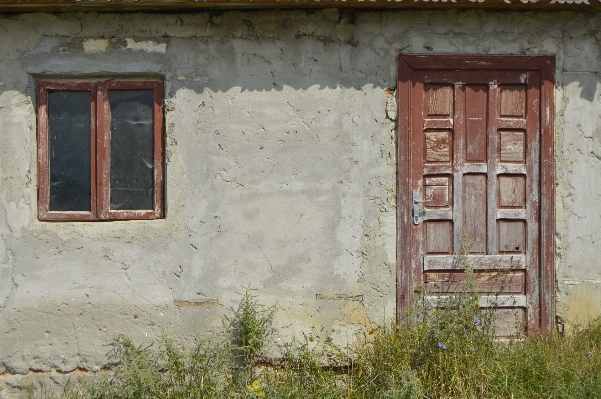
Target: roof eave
x=199 y=5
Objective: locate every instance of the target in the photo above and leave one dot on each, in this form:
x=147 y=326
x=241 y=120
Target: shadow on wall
x=269 y=50
x=228 y=50
x=587 y=82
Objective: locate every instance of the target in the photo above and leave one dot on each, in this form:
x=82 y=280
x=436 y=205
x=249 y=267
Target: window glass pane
x=69 y=150
x=132 y=148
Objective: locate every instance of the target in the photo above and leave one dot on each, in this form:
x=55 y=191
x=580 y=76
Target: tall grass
x=441 y=353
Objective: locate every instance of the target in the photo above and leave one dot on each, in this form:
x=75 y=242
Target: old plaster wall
x=280 y=143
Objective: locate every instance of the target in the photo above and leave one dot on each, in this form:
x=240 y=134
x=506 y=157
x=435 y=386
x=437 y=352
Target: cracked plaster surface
x=280 y=159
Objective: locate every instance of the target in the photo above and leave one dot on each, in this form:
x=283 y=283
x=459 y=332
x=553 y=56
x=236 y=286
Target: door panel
x=473 y=151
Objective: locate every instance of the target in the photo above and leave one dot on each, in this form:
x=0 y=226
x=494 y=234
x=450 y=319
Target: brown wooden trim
x=407 y=64
x=416 y=160
x=459 y=128
x=43 y=162
x=434 y=62
x=68 y=216
x=133 y=84
x=44 y=212
x=488 y=262
x=547 y=200
x=94 y=141
x=159 y=151
x=61 y=85
x=129 y=215
x=103 y=154
x=404 y=219
x=468 y=77
x=533 y=214
x=191 y=5
x=452 y=281
x=100 y=149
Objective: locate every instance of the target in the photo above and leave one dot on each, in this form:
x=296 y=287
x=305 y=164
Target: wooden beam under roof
x=198 y=5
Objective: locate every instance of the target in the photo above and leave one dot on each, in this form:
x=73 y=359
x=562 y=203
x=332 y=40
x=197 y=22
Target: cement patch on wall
x=281 y=173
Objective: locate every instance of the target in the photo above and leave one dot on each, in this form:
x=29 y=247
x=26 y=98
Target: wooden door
x=470 y=174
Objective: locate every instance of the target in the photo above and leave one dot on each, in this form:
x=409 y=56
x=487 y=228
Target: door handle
x=418 y=213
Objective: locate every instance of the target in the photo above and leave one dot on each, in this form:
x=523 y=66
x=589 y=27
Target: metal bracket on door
x=418 y=213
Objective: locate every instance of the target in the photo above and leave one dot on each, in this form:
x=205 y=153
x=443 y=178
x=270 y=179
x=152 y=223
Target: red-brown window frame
x=100 y=155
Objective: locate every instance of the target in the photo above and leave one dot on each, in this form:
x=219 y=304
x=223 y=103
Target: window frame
x=100 y=151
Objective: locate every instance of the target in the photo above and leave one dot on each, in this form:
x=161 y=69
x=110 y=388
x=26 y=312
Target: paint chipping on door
x=439 y=100
x=474 y=158
x=513 y=100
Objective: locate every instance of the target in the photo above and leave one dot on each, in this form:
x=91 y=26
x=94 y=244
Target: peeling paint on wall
x=147 y=45
x=92 y=46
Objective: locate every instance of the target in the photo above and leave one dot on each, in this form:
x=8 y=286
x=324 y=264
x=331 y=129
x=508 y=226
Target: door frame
x=408 y=277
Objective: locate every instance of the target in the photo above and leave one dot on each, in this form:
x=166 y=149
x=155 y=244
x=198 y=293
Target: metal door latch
x=418 y=213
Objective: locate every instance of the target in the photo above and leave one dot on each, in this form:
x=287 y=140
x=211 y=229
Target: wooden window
x=100 y=150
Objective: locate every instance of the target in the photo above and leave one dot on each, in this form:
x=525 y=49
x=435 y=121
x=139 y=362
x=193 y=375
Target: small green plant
x=251 y=327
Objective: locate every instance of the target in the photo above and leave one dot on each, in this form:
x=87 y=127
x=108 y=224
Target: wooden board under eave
x=192 y=5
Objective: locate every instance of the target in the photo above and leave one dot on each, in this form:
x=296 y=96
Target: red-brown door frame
x=407 y=275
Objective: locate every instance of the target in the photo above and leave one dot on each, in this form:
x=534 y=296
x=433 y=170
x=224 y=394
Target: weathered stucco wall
x=280 y=173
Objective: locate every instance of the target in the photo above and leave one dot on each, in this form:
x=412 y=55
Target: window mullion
x=93 y=147
x=103 y=152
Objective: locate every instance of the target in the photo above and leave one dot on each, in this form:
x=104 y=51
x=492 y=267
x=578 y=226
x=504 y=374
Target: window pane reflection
x=132 y=149
x=69 y=150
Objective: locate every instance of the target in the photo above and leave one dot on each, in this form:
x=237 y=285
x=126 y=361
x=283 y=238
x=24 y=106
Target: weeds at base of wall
x=445 y=354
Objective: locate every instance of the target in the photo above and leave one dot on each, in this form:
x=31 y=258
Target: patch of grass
x=439 y=353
